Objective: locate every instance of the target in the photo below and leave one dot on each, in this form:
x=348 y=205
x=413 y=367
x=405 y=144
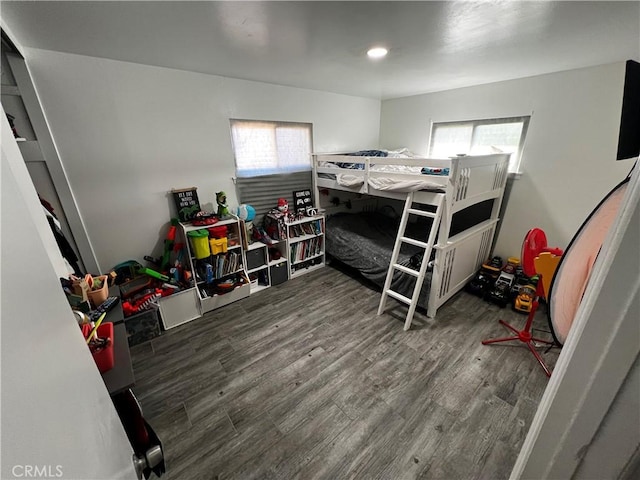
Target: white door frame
x=52 y=159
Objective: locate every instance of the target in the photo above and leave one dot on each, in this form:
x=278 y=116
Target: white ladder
x=394 y=265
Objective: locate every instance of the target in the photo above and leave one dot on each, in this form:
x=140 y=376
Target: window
x=273 y=159
x=267 y=148
x=480 y=137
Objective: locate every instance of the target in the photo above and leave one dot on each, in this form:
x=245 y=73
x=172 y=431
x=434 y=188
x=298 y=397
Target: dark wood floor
x=304 y=381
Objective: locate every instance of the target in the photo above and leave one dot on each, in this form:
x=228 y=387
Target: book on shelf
x=305 y=249
x=227 y=263
x=309 y=228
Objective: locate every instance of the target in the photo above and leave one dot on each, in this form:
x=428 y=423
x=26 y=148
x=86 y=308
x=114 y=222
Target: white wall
x=128 y=133
x=614 y=444
x=569 y=158
x=56 y=412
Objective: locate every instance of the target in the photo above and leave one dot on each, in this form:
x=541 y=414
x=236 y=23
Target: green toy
x=153 y=274
x=223 y=208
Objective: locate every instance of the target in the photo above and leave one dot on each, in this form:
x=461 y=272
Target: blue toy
x=246 y=212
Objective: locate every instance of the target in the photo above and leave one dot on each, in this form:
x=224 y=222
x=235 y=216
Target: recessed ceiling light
x=377 y=52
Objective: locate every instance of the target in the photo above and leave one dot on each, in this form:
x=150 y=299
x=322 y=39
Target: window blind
x=263 y=192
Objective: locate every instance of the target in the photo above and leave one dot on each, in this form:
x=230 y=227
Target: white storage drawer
x=179 y=308
x=217 y=301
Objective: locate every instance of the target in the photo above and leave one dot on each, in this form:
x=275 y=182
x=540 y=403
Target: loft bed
x=473 y=188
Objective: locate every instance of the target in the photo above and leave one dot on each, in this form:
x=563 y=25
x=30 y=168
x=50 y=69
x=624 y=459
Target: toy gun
x=130 y=307
x=164 y=262
x=153 y=274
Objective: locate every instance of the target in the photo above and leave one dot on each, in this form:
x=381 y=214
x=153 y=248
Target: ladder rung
x=399 y=297
x=422 y=213
x=415 y=242
x=408 y=270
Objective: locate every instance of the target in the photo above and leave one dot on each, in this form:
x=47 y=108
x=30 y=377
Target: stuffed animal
x=283 y=205
x=223 y=208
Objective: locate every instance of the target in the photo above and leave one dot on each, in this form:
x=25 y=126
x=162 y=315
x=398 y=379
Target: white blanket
x=393 y=185
x=350 y=181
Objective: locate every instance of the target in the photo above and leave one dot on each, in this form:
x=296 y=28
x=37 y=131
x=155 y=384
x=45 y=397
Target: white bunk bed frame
x=471 y=180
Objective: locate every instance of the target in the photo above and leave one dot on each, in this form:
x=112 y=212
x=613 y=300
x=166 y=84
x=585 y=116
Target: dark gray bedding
x=364 y=242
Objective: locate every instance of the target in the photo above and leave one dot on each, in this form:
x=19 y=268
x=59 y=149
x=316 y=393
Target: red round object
x=535 y=242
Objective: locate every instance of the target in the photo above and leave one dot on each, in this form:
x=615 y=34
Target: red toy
x=534 y=244
x=143 y=302
x=283 y=205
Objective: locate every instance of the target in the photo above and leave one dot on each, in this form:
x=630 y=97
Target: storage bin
x=218 y=245
x=217 y=301
x=279 y=273
x=97 y=297
x=142 y=326
x=104 y=357
x=255 y=258
x=218 y=232
x=199 y=243
x=274 y=224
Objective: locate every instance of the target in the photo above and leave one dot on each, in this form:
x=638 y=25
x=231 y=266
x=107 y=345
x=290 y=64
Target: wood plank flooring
x=304 y=381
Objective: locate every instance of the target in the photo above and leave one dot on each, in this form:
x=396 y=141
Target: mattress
x=364 y=242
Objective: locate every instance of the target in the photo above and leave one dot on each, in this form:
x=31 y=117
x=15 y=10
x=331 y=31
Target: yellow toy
x=524 y=300
x=218 y=245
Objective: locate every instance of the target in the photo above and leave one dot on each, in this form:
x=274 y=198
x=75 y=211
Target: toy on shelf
x=218 y=245
x=247 y=213
x=199 y=243
x=203 y=218
x=274 y=221
x=223 y=208
x=283 y=205
x=259 y=234
x=274 y=254
x=221 y=231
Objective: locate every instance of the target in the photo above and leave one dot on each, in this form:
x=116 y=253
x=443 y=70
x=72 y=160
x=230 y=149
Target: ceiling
x=432 y=46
